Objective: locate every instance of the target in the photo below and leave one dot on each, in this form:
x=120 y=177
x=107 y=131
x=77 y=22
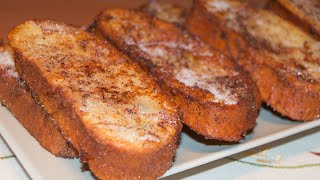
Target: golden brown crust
x=287 y=93
x=18 y=99
x=167 y=11
x=307 y=11
x=213 y=31
x=183 y=65
x=277 y=8
x=107 y=157
x=282 y=73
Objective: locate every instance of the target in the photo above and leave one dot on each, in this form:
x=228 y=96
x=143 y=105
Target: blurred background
x=77 y=12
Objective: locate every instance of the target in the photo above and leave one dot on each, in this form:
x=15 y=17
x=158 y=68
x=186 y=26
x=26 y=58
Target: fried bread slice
x=276 y=8
x=113 y=113
x=283 y=59
x=18 y=99
x=307 y=11
x=167 y=11
x=218 y=99
x=225 y=17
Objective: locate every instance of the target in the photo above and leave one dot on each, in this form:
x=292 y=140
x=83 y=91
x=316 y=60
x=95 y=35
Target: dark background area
x=77 y=12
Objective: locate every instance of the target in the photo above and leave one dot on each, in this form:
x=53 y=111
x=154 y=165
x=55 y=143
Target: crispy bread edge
x=33 y=117
x=276 y=8
x=105 y=161
x=233 y=122
x=296 y=103
x=301 y=15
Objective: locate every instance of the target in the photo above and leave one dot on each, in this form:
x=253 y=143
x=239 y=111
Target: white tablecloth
x=295 y=157
x=10 y=167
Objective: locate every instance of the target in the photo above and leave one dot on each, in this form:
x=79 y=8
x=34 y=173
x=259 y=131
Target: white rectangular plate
x=193 y=150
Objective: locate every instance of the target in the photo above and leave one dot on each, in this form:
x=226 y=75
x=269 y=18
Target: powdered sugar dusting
x=155 y=52
x=219 y=5
x=171 y=45
x=259 y=21
x=6 y=61
x=117 y=117
x=229 y=10
x=129 y=40
x=306 y=58
x=131 y=133
x=52 y=27
x=160 y=49
x=192 y=79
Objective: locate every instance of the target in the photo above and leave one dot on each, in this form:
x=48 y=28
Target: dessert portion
x=16 y=96
x=168 y=11
x=113 y=113
x=282 y=59
x=116 y=94
x=306 y=11
x=218 y=99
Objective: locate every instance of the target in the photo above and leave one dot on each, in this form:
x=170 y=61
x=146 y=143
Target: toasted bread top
x=262 y=25
x=285 y=42
x=308 y=11
x=166 y=11
x=114 y=99
x=7 y=62
x=190 y=64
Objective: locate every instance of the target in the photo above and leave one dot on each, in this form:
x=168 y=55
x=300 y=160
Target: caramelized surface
x=115 y=100
x=175 y=13
x=282 y=59
x=199 y=79
x=286 y=42
x=307 y=11
x=185 y=59
x=15 y=95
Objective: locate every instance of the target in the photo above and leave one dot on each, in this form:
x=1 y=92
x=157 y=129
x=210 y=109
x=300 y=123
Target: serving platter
x=193 y=150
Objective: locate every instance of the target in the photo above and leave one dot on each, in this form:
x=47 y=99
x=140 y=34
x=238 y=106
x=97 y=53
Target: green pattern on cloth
x=6 y=157
x=275 y=166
